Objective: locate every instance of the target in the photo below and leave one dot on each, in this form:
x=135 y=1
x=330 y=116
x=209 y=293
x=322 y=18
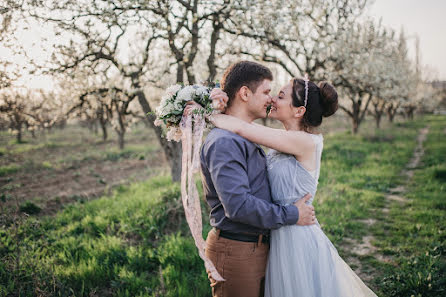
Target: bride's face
x=282 y=108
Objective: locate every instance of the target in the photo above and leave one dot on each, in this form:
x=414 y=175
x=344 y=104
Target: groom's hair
x=243 y=73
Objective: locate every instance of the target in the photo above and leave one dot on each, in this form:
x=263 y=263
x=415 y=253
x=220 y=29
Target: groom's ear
x=244 y=93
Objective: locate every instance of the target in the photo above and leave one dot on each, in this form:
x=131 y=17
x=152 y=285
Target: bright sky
x=425 y=18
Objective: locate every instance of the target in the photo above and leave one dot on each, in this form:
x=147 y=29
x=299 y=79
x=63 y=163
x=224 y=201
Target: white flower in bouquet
x=162 y=108
x=202 y=91
x=158 y=122
x=178 y=105
x=186 y=94
x=172 y=90
x=170 y=110
x=174 y=133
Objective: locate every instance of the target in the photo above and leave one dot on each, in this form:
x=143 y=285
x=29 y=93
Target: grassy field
x=413 y=233
x=133 y=240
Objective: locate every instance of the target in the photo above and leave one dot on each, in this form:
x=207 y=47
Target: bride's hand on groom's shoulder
x=219 y=99
x=191 y=105
x=306 y=211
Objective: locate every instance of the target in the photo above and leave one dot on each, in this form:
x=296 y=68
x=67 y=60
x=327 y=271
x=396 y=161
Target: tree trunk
x=121 y=139
x=356 y=119
x=409 y=112
x=378 y=120
x=95 y=127
x=190 y=75
x=355 y=126
x=19 y=133
x=174 y=155
x=121 y=128
x=104 y=131
x=391 y=112
x=194 y=45
x=180 y=73
x=378 y=108
x=90 y=125
x=172 y=149
x=214 y=38
x=391 y=115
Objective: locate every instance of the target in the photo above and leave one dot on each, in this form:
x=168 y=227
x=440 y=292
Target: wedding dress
x=302 y=260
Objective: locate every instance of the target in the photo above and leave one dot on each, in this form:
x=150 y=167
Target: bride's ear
x=299 y=111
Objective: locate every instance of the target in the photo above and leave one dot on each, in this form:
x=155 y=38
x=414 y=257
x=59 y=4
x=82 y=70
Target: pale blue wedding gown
x=302 y=261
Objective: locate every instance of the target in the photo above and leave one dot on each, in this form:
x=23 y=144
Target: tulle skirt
x=304 y=263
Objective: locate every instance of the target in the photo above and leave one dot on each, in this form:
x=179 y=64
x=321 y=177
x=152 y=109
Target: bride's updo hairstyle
x=322 y=101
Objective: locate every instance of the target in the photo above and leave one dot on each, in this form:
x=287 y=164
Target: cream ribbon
x=191 y=139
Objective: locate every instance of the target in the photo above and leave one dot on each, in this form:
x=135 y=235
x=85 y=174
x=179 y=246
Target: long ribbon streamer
x=191 y=139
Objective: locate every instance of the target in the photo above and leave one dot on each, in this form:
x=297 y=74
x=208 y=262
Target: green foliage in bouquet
x=173 y=103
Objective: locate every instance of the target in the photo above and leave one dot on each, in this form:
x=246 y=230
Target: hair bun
x=329 y=99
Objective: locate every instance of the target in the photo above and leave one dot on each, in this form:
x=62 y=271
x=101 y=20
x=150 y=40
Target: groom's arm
x=227 y=165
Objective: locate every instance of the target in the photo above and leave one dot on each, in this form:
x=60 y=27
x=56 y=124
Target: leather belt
x=242 y=237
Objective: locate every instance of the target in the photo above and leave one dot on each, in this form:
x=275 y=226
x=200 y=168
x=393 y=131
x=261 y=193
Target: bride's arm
x=291 y=142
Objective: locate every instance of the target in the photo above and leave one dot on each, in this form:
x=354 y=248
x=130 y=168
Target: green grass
x=356 y=172
x=29 y=208
x=9 y=169
x=415 y=235
x=135 y=242
x=118 y=245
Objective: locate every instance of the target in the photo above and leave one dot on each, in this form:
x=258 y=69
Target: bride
x=302 y=260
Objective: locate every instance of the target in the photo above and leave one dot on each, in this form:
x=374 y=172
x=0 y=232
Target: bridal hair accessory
x=306 y=89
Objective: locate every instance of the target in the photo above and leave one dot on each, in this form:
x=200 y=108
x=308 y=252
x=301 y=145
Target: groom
x=236 y=187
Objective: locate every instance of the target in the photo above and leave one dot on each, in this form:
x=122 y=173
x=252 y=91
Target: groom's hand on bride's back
x=306 y=211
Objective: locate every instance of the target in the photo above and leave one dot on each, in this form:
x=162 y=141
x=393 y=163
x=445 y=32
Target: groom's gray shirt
x=236 y=186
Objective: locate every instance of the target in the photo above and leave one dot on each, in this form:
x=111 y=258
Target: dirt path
x=53 y=189
x=365 y=246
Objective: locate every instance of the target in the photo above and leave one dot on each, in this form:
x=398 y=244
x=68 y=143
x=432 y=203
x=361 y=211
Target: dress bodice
x=289 y=180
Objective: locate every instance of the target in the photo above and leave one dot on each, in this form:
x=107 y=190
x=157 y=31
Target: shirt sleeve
x=227 y=165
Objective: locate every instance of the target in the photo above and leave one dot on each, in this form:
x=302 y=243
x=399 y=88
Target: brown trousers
x=241 y=264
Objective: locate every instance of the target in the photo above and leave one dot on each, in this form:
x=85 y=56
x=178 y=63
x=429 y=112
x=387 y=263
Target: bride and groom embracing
x=265 y=239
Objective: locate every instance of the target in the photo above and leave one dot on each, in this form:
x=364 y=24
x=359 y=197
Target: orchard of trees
x=111 y=59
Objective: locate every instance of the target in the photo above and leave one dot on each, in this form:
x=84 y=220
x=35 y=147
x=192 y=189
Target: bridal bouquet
x=189 y=129
x=170 y=111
